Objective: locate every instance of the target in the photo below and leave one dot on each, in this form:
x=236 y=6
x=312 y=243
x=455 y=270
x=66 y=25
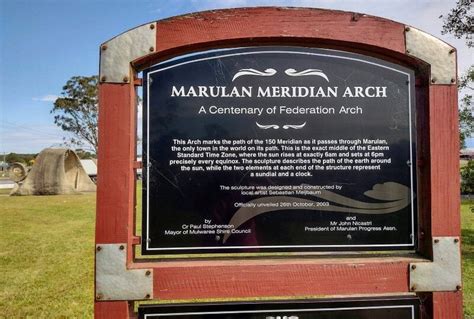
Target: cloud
x=46 y=98
x=28 y=137
x=28 y=142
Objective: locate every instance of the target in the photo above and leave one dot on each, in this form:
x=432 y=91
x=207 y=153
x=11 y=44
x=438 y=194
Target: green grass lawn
x=467 y=225
x=5 y=191
x=46 y=261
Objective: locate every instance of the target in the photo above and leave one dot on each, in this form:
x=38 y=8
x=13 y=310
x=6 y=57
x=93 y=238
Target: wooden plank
x=423 y=165
x=258 y=25
x=111 y=310
x=447 y=305
x=277 y=278
x=115 y=183
x=444 y=144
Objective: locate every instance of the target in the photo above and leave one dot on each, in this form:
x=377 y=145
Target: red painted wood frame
x=438 y=165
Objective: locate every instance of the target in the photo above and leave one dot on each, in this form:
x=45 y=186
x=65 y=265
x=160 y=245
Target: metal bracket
x=440 y=55
x=117 y=53
x=113 y=281
x=444 y=273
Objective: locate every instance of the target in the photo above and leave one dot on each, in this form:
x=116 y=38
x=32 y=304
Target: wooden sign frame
x=121 y=279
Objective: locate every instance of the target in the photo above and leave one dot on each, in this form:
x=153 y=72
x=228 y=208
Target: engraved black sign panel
x=278 y=149
x=354 y=309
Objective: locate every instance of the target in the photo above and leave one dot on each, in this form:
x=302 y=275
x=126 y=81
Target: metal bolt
x=452 y=51
x=413 y=267
x=147 y=296
x=355 y=17
x=458 y=287
x=456 y=240
x=413 y=288
x=125 y=79
x=152 y=49
x=407 y=29
x=147 y=273
x=152 y=26
x=99 y=248
x=453 y=80
x=99 y=296
x=104 y=47
x=103 y=78
x=433 y=80
x=408 y=51
x=436 y=241
x=122 y=247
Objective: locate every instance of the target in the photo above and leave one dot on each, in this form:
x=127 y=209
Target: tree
x=14 y=158
x=467 y=178
x=19 y=158
x=76 y=111
x=466 y=117
x=82 y=154
x=459 y=22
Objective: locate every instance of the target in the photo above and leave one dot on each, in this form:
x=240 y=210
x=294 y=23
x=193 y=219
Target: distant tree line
x=20 y=158
x=28 y=159
x=467 y=178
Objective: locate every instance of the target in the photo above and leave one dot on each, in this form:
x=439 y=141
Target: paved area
x=6 y=183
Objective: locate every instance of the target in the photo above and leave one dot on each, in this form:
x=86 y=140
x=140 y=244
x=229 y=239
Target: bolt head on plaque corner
x=438 y=54
x=443 y=273
x=117 y=53
x=114 y=281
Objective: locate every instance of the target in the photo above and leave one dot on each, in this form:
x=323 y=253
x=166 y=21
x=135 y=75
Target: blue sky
x=43 y=43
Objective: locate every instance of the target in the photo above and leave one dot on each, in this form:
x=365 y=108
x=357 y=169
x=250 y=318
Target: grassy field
x=467 y=224
x=5 y=191
x=46 y=262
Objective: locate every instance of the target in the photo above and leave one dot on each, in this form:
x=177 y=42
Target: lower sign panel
x=401 y=308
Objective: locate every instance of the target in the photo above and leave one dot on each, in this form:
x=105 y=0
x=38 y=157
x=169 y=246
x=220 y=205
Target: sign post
x=301 y=133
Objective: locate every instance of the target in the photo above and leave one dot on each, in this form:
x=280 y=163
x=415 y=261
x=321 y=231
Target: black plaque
x=405 y=308
x=278 y=149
